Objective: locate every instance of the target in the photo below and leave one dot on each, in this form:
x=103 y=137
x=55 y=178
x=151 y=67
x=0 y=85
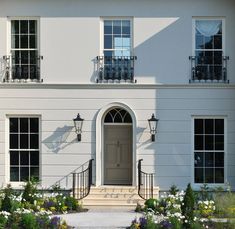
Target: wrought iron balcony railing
x=23 y=69
x=116 y=68
x=209 y=69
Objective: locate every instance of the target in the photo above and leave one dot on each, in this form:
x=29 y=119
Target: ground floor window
x=209 y=150
x=24 y=148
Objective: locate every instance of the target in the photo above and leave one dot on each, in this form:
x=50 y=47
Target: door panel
x=117 y=154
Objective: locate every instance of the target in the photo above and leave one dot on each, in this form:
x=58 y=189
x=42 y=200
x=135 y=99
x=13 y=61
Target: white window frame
x=102 y=32
x=9 y=19
x=197 y=186
x=19 y=184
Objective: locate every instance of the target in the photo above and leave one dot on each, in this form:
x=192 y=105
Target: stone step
x=114 y=196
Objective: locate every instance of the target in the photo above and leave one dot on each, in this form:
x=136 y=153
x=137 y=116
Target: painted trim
x=99 y=141
x=37 y=85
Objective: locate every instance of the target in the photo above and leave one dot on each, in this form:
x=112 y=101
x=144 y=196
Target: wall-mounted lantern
x=153 y=127
x=78 y=121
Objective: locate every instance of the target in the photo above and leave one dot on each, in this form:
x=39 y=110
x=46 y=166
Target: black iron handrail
x=209 y=68
x=82 y=182
x=115 y=68
x=15 y=72
x=145 y=183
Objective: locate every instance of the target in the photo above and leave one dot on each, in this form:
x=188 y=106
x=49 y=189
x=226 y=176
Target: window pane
x=24 y=173
x=198 y=159
x=209 y=142
x=33 y=41
x=34 y=141
x=24 y=127
x=34 y=158
x=24 y=158
x=24 y=41
x=13 y=141
x=15 y=41
x=208 y=42
x=219 y=126
x=117 y=27
x=199 y=41
x=199 y=175
x=24 y=27
x=34 y=125
x=209 y=159
x=107 y=27
x=218 y=42
x=126 y=41
x=209 y=126
x=34 y=172
x=14 y=27
x=24 y=58
x=198 y=142
x=209 y=175
x=219 y=159
x=108 y=42
x=33 y=26
x=25 y=71
x=14 y=173
x=219 y=175
x=198 y=126
x=219 y=142
x=14 y=125
x=126 y=27
x=117 y=41
x=24 y=141
x=14 y=158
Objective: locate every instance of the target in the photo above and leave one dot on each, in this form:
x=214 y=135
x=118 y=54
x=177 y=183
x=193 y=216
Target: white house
x=116 y=63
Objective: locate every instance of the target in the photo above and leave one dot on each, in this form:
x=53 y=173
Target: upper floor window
x=209 y=62
x=209 y=150
x=116 y=61
x=23 y=63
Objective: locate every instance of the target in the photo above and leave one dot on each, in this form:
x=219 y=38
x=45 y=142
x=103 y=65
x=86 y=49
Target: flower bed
x=33 y=210
x=180 y=210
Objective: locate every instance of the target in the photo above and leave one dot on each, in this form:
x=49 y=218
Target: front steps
x=114 y=196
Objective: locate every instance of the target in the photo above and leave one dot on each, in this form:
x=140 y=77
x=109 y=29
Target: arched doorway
x=117 y=147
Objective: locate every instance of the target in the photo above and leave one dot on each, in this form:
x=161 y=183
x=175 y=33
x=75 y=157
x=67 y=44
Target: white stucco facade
x=70 y=38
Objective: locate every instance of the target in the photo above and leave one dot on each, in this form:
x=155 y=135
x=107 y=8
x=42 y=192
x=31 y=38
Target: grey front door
x=118 y=154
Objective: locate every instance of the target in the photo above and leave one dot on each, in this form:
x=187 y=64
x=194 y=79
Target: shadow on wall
x=57 y=140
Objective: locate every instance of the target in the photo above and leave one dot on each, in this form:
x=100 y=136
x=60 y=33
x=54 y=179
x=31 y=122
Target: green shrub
x=188 y=206
x=151 y=203
x=72 y=203
x=3 y=221
x=28 y=221
x=7 y=202
x=30 y=189
x=173 y=190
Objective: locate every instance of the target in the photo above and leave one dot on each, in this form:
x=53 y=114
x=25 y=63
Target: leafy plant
x=173 y=190
x=29 y=221
x=30 y=189
x=7 y=202
x=151 y=203
x=188 y=206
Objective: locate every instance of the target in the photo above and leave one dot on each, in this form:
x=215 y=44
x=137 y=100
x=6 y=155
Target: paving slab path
x=101 y=218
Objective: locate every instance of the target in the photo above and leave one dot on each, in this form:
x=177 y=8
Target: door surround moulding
x=99 y=141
